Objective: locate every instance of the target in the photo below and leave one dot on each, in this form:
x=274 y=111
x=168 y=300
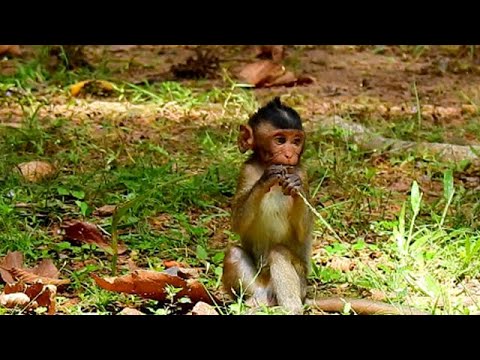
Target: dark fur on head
x=277 y=114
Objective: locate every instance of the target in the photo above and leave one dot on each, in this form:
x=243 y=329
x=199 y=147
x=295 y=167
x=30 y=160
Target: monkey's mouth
x=291 y=162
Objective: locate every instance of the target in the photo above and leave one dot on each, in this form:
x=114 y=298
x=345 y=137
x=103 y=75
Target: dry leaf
x=28 y=277
x=105 y=210
x=173 y=263
x=202 y=308
x=14 y=300
x=83 y=232
x=36 y=170
x=401 y=185
x=161 y=221
x=261 y=72
x=43 y=295
x=99 y=87
x=341 y=264
x=377 y=295
x=10 y=49
x=130 y=311
x=184 y=273
x=13 y=259
x=287 y=78
x=132 y=265
x=38 y=284
x=267 y=73
x=11 y=269
x=46 y=268
x=152 y=284
x=14 y=288
x=40 y=294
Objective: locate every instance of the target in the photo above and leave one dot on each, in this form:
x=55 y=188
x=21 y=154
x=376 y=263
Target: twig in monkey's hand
x=320 y=217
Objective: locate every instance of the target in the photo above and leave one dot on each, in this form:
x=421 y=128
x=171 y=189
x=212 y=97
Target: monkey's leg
x=241 y=275
x=287 y=283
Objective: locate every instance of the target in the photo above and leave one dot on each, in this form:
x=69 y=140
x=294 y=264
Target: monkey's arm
x=292 y=184
x=252 y=185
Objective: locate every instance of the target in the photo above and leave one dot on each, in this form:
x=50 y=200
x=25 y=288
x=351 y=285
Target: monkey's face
x=279 y=146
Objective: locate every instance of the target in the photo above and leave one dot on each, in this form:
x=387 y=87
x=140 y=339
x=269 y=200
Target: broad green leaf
x=62 y=191
x=415 y=197
x=218 y=257
x=448 y=188
x=79 y=194
x=201 y=253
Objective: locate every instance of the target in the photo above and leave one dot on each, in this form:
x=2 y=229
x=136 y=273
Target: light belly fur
x=272 y=225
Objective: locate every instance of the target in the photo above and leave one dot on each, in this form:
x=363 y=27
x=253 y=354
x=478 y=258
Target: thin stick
x=320 y=217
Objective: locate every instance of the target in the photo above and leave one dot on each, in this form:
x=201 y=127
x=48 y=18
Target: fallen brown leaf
x=184 y=273
x=202 y=308
x=341 y=264
x=131 y=264
x=261 y=72
x=285 y=79
x=39 y=294
x=43 y=295
x=12 y=270
x=28 y=277
x=161 y=221
x=52 y=307
x=14 y=288
x=46 y=268
x=401 y=185
x=172 y=263
x=377 y=295
x=151 y=285
x=10 y=49
x=267 y=73
x=13 y=259
x=35 y=171
x=87 y=233
x=14 y=300
x=105 y=210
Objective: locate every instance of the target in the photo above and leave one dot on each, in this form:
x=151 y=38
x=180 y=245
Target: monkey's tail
x=362 y=306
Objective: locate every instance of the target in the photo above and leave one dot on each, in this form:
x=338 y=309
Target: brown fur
x=275 y=226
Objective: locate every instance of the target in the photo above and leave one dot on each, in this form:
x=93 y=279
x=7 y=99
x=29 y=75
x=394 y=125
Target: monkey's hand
x=291 y=184
x=273 y=175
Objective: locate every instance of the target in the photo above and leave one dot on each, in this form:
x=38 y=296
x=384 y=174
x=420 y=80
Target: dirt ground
x=378 y=78
x=446 y=76
x=343 y=73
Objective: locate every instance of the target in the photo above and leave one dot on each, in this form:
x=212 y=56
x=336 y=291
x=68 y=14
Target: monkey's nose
x=291 y=160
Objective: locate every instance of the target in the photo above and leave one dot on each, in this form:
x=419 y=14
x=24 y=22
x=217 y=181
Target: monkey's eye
x=297 y=141
x=280 y=140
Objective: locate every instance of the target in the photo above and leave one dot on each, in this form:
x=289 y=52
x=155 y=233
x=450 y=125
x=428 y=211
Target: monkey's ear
x=245 y=138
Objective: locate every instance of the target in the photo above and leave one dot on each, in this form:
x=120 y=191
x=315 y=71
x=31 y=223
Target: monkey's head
x=275 y=134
